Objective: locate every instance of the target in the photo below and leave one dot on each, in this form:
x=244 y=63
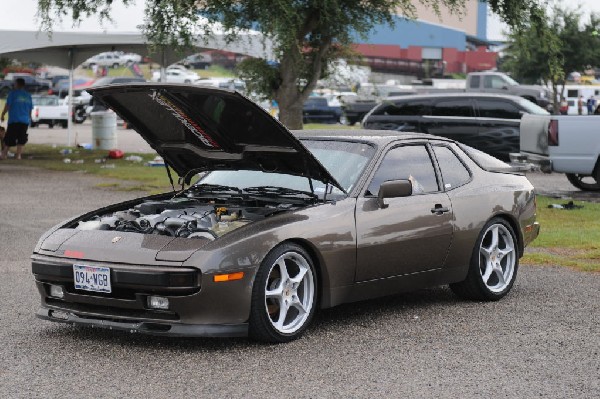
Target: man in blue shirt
x=19 y=106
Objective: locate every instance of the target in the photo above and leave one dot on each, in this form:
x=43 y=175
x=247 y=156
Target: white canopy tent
x=69 y=49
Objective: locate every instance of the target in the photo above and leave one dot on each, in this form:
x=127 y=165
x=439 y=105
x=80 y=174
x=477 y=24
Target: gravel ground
x=542 y=340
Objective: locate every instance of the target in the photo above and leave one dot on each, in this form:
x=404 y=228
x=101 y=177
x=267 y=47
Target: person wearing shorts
x=19 y=106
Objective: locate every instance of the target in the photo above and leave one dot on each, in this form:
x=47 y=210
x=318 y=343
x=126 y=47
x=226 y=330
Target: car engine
x=178 y=217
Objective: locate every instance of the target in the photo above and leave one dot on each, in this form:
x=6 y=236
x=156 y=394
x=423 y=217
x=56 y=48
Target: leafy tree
x=548 y=48
x=309 y=34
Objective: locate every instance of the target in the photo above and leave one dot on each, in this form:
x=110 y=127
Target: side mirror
x=393 y=189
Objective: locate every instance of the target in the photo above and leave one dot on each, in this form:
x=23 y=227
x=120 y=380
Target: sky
x=21 y=15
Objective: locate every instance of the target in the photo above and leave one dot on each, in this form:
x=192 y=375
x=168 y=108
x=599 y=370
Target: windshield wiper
x=279 y=191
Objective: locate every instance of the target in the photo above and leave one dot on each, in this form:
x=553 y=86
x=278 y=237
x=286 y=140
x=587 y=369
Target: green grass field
x=567 y=237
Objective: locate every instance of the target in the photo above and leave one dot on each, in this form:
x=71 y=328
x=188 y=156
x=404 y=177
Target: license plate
x=91 y=278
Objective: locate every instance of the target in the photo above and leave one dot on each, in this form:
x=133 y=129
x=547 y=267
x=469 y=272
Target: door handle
x=438 y=209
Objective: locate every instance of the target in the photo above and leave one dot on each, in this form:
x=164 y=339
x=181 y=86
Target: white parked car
x=49 y=110
x=111 y=59
x=176 y=76
x=223 y=83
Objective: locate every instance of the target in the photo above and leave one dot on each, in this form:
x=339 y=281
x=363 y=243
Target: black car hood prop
x=204 y=129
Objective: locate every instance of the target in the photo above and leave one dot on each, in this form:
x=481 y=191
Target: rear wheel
x=494 y=264
x=284 y=295
x=50 y=125
x=64 y=124
x=115 y=65
x=584 y=182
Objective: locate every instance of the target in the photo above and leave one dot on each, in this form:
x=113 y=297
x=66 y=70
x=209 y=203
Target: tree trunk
x=290 y=114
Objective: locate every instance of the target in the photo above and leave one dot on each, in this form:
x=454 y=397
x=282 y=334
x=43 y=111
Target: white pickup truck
x=49 y=110
x=565 y=144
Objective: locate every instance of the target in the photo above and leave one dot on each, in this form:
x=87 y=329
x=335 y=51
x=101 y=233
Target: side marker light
x=218 y=278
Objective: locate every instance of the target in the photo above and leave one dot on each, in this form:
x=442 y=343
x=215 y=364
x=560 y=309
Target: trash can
x=104 y=130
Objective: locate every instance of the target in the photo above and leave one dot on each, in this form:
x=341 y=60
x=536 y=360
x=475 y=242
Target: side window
x=403 y=108
x=456 y=107
x=498 y=109
x=493 y=82
x=475 y=82
x=400 y=163
x=454 y=173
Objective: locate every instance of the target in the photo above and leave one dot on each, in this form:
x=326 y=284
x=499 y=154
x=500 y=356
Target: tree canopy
x=309 y=33
x=549 y=48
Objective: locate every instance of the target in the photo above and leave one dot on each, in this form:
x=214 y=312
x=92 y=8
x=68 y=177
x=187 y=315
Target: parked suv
x=112 y=60
x=488 y=122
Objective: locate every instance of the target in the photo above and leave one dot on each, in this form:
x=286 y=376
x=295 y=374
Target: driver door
x=412 y=234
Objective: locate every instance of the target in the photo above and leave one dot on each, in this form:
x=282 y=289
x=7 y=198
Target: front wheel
x=283 y=296
x=584 y=182
x=494 y=264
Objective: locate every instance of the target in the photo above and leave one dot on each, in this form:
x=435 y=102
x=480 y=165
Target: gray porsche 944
x=269 y=226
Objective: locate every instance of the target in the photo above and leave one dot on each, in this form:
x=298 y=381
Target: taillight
x=553 y=133
x=37 y=112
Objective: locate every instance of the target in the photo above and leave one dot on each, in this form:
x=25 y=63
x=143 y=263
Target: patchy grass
x=127 y=175
x=567 y=237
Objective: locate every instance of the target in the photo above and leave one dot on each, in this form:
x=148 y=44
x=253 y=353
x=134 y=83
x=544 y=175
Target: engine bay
x=181 y=217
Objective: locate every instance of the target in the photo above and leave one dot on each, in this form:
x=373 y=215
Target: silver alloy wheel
x=289 y=292
x=497 y=258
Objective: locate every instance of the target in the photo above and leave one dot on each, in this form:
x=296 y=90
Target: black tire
x=474 y=286
x=50 y=125
x=577 y=181
x=64 y=124
x=79 y=115
x=262 y=326
x=33 y=124
x=115 y=65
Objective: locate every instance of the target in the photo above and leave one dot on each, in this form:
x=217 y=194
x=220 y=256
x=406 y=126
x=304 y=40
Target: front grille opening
x=155 y=327
x=107 y=312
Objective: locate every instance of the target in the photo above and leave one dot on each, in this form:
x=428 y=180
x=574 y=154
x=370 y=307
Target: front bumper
x=198 y=306
x=145 y=327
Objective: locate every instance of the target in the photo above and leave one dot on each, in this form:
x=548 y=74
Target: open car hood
x=203 y=129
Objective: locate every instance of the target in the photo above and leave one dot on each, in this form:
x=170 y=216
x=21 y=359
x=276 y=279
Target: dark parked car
x=279 y=225
x=33 y=84
x=316 y=109
x=488 y=122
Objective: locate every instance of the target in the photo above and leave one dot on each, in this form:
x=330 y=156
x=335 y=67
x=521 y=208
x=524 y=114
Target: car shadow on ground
x=328 y=321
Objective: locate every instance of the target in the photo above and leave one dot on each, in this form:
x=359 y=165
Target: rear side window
x=456 y=107
x=485 y=161
x=454 y=173
x=494 y=82
x=402 y=162
x=404 y=108
x=475 y=82
x=498 y=109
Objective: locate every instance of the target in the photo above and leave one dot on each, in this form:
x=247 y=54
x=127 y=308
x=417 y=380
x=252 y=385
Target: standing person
x=564 y=106
x=580 y=105
x=591 y=102
x=19 y=106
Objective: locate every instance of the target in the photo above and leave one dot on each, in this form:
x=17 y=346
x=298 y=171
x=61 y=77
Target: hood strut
x=170 y=177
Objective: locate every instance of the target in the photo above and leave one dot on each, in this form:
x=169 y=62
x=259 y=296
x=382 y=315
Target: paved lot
x=542 y=340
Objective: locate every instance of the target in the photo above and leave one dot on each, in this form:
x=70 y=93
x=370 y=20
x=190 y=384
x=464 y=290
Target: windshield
x=532 y=108
x=510 y=80
x=345 y=160
x=37 y=100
